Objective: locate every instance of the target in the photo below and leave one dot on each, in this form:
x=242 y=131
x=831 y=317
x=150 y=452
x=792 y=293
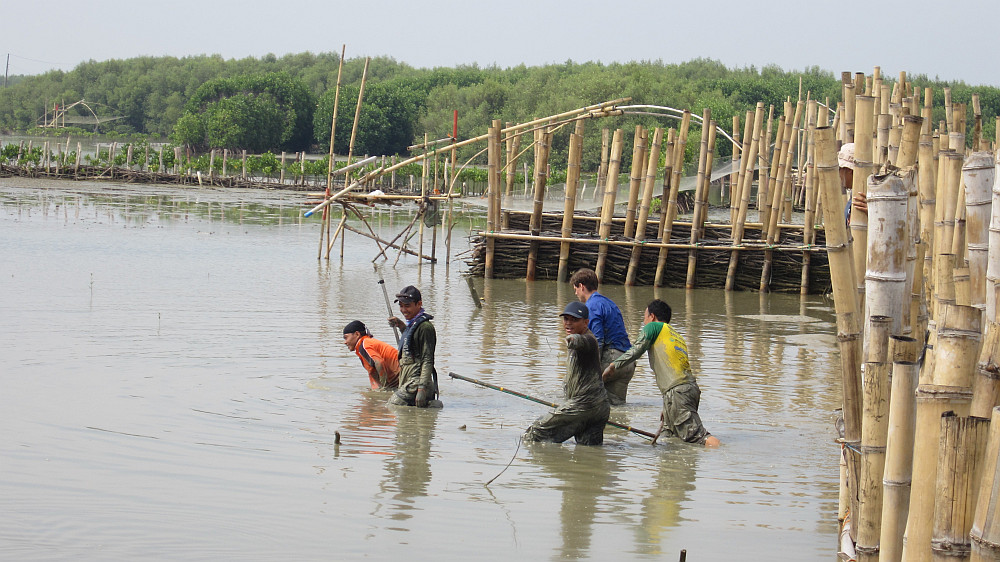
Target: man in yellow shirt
x=668 y=357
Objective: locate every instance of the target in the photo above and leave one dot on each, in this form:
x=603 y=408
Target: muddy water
x=173 y=373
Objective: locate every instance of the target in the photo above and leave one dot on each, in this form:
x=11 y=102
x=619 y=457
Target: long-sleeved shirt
x=668 y=355
x=416 y=356
x=606 y=322
x=582 y=384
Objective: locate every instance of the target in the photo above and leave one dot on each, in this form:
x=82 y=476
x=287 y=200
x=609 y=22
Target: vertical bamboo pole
x=667 y=217
x=979 y=174
x=885 y=277
x=763 y=165
x=652 y=163
x=542 y=144
x=639 y=151
x=602 y=170
x=424 y=174
x=960 y=452
x=850 y=113
x=863 y=168
x=986 y=384
x=807 y=164
x=327 y=216
x=977 y=127
x=736 y=196
x=608 y=207
x=701 y=214
x=572 y=184
x=512 y=157
x=770 y=180
x=493 y=178
x=949 y=388
x=845 y=298
x=993 y=256
x=874 y=432
x=735 y=164
x=985 y=531
x=700 y=189
x=899 y=453
x=741 y=218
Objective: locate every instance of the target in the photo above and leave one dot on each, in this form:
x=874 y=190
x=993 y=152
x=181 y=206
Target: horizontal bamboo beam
x=633 y=243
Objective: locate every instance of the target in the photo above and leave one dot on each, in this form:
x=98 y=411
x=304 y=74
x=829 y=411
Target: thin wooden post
x=652 y=163
x=667 y=217
x=569 y=205
x=493 y=178
x=608 y=207
x=639 y=152
x=740 y=224
x=985 y=531
x=700 y=192
x=542 y=145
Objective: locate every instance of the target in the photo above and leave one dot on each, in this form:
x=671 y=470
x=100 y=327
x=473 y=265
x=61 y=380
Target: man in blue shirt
x=608 y=326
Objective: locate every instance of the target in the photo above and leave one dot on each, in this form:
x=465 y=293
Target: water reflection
x=665 y=499
x=407 y=473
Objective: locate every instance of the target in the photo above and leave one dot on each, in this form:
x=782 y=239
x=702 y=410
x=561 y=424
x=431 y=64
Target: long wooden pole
x=608 y=207
x=572 y=185
x=493 y=179
x=647 y=198
x=670 y=213
x=639 y=152
x=542 y=144
x=741 y=217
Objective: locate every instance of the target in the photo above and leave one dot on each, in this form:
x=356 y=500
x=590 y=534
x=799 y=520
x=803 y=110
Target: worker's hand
x=861 y=202
x=421 y=399
x=397 y=323
x=609 y=372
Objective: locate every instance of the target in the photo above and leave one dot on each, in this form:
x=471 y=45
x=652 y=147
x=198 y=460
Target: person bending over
x=380 y=359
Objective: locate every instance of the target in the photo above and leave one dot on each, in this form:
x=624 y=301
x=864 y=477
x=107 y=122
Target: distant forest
x=286 y=103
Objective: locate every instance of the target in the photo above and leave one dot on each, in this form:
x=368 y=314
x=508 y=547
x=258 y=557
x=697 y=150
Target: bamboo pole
x=701 y=209
x=979 y=174
x=735 y=163
x=782 y=186
x=652 y=164
x=543 y=145
x=513 y=152
x=986 y=384
x=948 y=182
x=985 y=531
x=700 y=189
x=572 y=184
x=602 y=170
x=667 y=217
x=885 y=277
x=807 y=164
x=325 y=228
x=950 y=388
x=845 y=297
x=899 y=451
x=863 y=168
x=608 y=207
x=993 y=256
x=763 y=166
x=961 y=450
x=745 y=198
x=874 y=432
x=493 y=178
x=737 y=191
x=639 y=152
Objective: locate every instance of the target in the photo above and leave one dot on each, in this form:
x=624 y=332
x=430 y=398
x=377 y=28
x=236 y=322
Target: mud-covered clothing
x=372 y=351
x=606 y=322
x=416 y=359
x=617 y=385
x=668 y=357
x=585 y=411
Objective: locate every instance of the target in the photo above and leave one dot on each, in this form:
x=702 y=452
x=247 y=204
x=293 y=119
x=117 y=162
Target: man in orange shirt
x=380 y=359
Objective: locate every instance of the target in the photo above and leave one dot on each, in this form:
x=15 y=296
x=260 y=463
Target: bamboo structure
x=985 y=530
x=897 y=474
x=647 y=198
x=885 y=278
x=979 y=174
x=543 y=142
x=738 y=226
x=639 y=153
x=701 y=191
x=874 y=432
x=667 y=218
x=960 y=452
x=608 y=206
x=949 y=389
x=572 y=184
x=986 y=384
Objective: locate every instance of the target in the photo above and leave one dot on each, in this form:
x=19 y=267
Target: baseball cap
x=576 y=309
x=409 y=294
x=355 y=326
x=845 y=158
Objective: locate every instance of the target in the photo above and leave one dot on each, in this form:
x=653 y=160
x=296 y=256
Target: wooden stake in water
x=569 y=206
x=608 y=207
x=649 y=186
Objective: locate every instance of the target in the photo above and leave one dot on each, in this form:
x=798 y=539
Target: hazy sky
x=953 y=43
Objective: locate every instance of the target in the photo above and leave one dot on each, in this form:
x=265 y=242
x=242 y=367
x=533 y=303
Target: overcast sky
x=951 y=43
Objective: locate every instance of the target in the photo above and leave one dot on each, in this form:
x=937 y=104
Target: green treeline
x=286 y=103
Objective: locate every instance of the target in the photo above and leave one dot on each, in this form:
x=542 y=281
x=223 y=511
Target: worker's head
x=584 y=283
x=575 y=318
x=657 y=311
x=845 y=159
x=353 y=332
x=409 y=301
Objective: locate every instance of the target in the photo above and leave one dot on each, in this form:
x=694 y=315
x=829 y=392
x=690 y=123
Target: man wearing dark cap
x=380 y=359
x=417 y=377
x=586 y=409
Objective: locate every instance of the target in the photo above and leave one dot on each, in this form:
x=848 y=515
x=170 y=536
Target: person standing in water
x=608 y=326
x=417 y=376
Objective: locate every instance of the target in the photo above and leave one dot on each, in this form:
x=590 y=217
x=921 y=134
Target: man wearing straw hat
x=668 y=358
x=586 y=409
x=608 y=326
x=380 y=359
x=417 y=376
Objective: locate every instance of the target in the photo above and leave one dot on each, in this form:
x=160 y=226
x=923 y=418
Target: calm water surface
x=173 y=373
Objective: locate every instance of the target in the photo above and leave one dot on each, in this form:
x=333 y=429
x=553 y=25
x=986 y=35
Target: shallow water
x=173 y=374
